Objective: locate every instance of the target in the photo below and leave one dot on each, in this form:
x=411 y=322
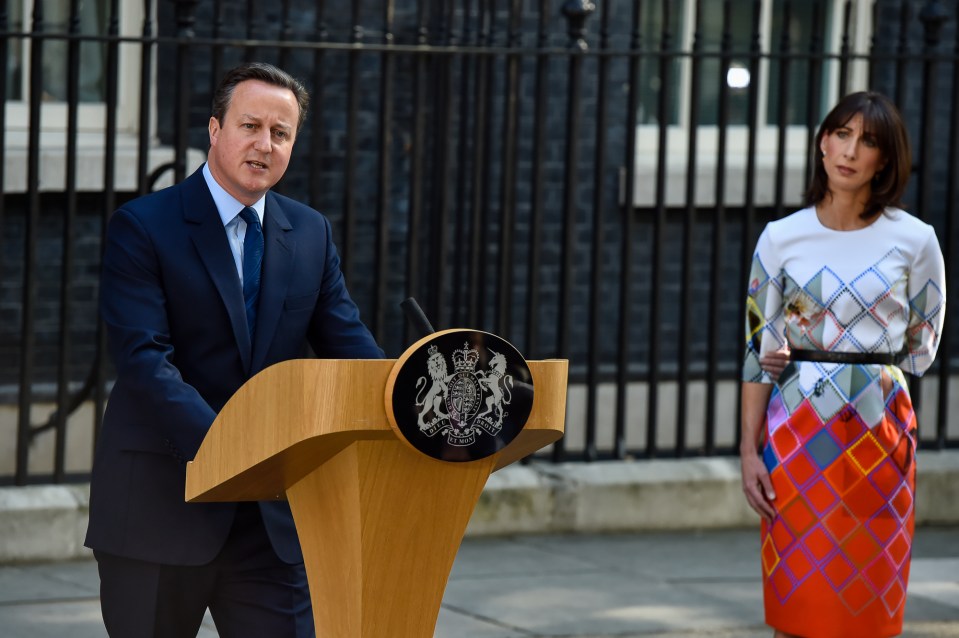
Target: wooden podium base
x=380 y=525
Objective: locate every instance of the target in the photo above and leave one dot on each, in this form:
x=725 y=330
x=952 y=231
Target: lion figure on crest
x=439 y=375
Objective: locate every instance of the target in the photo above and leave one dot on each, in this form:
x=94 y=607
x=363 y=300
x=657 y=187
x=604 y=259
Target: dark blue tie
x=252 y=262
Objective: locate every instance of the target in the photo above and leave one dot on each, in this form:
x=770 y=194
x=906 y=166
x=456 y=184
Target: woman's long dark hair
x=881 y=119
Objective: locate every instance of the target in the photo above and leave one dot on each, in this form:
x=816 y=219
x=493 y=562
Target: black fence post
x=948 y=250
x=185 y=19
x=575 y=12
x=597 y=250
x=628 y=224
x=537 y=183
x=933 y=16
x=68 y=235
x=29 y=296
x=146 y=98
x=658 y=234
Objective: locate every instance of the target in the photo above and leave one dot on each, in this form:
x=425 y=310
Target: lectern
x=379 y=520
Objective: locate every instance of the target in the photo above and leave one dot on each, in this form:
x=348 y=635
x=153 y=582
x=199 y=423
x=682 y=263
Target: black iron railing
x=585 y=178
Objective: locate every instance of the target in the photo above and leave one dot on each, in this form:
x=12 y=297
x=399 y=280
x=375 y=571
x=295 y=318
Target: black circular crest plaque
x=460 y=395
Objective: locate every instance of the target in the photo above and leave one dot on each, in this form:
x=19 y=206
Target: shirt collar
x=226 y=205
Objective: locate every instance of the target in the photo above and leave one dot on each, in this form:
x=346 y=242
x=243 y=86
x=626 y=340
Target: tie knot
x=250 y=217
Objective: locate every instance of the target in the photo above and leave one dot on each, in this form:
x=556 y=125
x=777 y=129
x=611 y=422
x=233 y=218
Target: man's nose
x=262 y=142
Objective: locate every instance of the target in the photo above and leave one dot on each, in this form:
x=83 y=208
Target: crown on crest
x=465 y=360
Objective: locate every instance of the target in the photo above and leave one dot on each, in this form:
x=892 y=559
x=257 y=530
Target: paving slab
x=649 y=585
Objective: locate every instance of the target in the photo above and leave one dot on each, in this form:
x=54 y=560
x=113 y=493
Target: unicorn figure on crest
x=499 y=385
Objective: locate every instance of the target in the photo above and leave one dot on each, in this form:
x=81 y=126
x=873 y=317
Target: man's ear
x=214 y=129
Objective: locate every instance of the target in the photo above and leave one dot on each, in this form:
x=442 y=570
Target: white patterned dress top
x=876 y=289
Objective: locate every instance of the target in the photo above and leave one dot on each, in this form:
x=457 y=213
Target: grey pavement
x=653 y=584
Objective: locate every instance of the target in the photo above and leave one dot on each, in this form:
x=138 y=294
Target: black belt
x=861 y=358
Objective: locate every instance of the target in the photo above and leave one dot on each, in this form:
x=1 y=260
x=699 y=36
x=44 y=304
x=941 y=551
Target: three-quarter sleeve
x=765 y=327
x=927 y=307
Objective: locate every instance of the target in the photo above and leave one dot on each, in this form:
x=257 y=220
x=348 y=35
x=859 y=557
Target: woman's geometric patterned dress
x=840 y=451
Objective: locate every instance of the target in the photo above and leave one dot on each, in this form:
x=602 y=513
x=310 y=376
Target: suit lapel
x=209 y=238
x=279 y=247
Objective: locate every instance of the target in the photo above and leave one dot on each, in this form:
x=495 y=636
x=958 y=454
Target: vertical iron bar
x=111 y=100
x=440 y=226
x=483 y=249
x=688 y=223
x=68 y=238
x=318 y=188
x=511 y=107
x=385 y=173
x=146 y=99
x=659 y=223
x=933 y=16
x=251 y=24
x=844 y=49
x=464 y=221
x=873 y=73
x=109 y=187
x=905 y=17
x=749 y=212
x=462 y=88
x=597 y=250
x=948 y=243
x=286 y=34
x=480 y=177
x=628 y=214
x=719 y=235
x=348 y=237
x=185 y=19
x=784 y=63
x=416 y=162
x=575 y=12
x=538 y=178
x=4 y=62
x=27 y=336
x=4 y=68
x=814 y=85
x=216 y=53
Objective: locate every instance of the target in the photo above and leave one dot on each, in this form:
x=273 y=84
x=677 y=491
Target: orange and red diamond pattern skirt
x=835 y=559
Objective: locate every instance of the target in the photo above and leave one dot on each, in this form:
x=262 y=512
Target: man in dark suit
x=197 y=300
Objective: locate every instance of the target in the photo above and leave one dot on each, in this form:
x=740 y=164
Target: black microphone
x=417 y=317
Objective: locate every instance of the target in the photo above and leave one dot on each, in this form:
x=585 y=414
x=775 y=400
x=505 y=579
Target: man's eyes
x=277 y=133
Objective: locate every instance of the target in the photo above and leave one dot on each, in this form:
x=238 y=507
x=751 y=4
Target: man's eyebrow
x=255 y=118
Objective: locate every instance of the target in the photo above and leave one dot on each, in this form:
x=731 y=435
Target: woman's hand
x=773 y=363
x=886 y=382
x=757 y=486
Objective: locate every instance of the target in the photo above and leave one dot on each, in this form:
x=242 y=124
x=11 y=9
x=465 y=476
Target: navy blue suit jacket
x=173 y=308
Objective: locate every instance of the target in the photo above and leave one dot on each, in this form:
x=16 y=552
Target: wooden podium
x=379 y=522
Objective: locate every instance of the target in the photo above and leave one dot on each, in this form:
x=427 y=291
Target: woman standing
x=855 y=288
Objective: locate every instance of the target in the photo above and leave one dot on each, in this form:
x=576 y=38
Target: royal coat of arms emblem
x=461 y=395
x=473 y=399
